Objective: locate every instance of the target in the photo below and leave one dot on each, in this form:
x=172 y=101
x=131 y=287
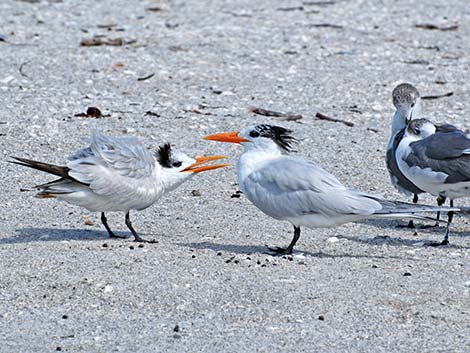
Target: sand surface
x=209 y=285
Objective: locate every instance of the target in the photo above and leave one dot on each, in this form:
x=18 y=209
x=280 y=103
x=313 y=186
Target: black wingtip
x=13 y=157
x=19 y=161
x=45 y=167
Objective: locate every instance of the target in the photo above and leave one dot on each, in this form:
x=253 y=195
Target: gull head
x=177 y=167
x=406 y=100
x=420 y=129
x=265 y=137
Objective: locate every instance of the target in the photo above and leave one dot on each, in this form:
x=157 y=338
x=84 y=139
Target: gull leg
x=290 y=248
x=410 y=224
x=137 y=238
x=110 y=232
x=450 y=217
x=440 y=201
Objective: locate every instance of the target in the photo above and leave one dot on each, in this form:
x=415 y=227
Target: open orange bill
x=197 y=167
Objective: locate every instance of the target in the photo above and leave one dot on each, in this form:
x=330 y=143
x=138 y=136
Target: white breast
x=424 y=178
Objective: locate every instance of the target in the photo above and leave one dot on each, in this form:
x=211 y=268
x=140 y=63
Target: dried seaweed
x=277 y=115
x=327 y=118
x=437 y=96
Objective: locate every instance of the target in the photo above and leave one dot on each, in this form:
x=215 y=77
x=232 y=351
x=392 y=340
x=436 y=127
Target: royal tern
x=407 y=102
x=118 y=174
x=296 y=190
x=436 y=160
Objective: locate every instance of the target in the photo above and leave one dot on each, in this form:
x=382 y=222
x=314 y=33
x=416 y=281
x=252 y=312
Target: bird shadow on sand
x=401 y=225
x=384 y=224
x=253 y=249
x=417 y=242
x=28 y=235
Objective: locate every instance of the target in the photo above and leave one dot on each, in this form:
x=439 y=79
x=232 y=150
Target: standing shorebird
x=406 y=100
x=299 y=191
x=118 y=174
x=437 y=161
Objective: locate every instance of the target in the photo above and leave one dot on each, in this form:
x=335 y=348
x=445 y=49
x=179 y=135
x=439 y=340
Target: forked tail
x=65 y=185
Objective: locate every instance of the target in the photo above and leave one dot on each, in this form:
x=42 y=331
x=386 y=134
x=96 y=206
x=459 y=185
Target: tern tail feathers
x=400 y=208
x=464 y=211
x=65 y=185
x=57 y=187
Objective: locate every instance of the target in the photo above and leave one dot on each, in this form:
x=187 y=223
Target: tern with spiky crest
x=118 y=174
x=293 y=189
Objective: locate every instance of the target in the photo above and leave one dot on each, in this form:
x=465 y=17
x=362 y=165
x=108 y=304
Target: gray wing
x=398 y=177
x=447 y=128
x=112 y=164
x=292 y=187
x=83 y=153
x=447 y=152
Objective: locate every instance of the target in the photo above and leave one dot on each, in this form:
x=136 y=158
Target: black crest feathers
x=281 y=136
x=164 y=155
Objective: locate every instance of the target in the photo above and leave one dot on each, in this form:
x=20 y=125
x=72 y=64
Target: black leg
x=137 y=238
x=450 y=217
x=110 y=232
x=410 y=224
x=440 y=201
x=290 y=248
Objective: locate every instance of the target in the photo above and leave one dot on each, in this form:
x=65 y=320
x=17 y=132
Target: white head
x=419 y=129
x=262 y=137
x=177 y=167
x=406 y=101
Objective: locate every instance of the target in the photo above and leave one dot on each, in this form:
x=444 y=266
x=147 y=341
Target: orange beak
x=226 y=137
x=197 y=168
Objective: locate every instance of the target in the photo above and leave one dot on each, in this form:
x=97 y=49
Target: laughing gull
x=436 y=160
x=293 y=189
x=406 y=99
x=118 y=174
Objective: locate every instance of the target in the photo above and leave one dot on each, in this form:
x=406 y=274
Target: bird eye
x=176 y=164
x=412 y=105
x=254 y=133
